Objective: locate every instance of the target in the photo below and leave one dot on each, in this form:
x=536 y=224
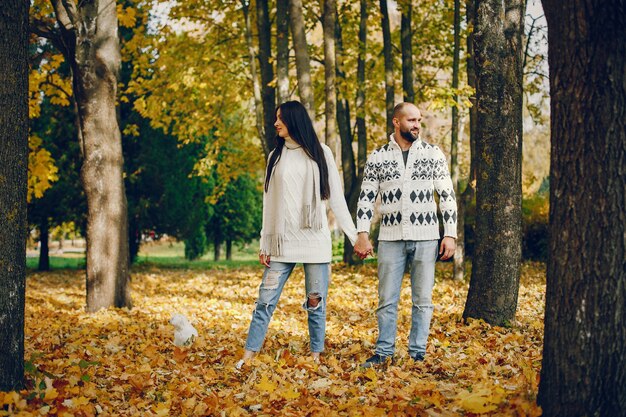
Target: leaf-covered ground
x=123 y=362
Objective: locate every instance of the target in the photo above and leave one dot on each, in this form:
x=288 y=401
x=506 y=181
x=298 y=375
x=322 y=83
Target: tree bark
x=303 y=64
x=348 y=167
x=256 y=87
x=494 y=284
x=361 y=127
x=282 y=50
x=584 y=353
x=470 y=11
x=387 y=51
x=329 y=21
x=13 y=189
x=406 y=43
x=268 y=91
x=90 y=31
x=217 y=250
x=44 y=245
x=229 y=250
x=459 y=255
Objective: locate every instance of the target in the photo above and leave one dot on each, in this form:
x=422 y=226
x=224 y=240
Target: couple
x=301 y=173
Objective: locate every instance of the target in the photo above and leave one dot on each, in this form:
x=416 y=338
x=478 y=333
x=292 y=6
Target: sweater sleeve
x=447 y=199
x=367 y=197
x=337 y=200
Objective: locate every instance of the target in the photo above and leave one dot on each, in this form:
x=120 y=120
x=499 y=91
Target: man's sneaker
x=418 y=357
x=375 y=360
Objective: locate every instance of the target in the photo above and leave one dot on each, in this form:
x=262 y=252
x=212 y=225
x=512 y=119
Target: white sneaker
x=239 y=364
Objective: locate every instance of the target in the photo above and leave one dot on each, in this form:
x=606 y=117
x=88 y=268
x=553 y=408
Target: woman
x=300 y=174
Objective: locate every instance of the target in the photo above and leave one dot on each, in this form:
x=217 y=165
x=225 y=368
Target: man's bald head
x=401 y=108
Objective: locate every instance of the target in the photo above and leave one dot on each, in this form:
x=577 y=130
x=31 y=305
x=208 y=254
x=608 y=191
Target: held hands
x=363 y=246
x=447 y=248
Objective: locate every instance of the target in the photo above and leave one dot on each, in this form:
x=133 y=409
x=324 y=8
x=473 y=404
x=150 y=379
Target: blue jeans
x=393 y=256
x=316 y=277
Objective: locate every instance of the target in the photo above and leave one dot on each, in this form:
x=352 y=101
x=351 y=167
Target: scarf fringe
x=276 y=242
x=311 y=218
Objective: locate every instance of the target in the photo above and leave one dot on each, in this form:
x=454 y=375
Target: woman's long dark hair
x=300 y=128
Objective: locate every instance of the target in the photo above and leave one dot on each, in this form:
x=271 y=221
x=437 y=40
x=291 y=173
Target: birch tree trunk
x=584 y=355
x=13 y=189
x=494 y=284
x=303 y=64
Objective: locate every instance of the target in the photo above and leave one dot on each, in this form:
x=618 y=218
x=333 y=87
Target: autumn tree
x=13 y=189
x=86 y=33
x=303 y=65
x=388 y=54
x=282 y=50
x=496 y=265
x=584 y=350
x=459 y=254
x=406 y=44
x=329 y=19
x=268 y=90
x=64 y=201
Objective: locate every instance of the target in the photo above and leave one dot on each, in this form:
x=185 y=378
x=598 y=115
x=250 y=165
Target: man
x=406 y=172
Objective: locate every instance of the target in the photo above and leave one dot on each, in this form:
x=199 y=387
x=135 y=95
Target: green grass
x=172 y=255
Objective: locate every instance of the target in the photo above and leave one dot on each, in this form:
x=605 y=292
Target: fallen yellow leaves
x=121 y=362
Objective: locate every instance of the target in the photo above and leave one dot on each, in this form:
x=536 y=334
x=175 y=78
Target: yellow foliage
x=41 y=169
x=127 y=17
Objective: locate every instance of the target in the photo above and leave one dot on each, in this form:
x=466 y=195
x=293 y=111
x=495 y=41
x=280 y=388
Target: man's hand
x=363 y=246
x=447 y=248
x=265 y=260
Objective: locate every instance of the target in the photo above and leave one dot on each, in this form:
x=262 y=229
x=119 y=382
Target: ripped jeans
x=274 y=279
x=393 y=257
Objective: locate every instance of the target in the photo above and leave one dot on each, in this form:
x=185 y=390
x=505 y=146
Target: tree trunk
x=13 y=180
x=229 y=250
x=406 y=43
x=584 y=353
x=470 y=11
x=495 y=277
x=256 y=88
x=459 y=265
x=44 y=245
x=470 y=190
x=330 y=109
x=348 y=167
x=389 y=80
x=90 y=29
x=303 y=64
x=361 y=128
x=282 y=50
x=268 y=91
x=217 y=250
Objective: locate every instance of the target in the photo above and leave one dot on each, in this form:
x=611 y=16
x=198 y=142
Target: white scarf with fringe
x=274 y=213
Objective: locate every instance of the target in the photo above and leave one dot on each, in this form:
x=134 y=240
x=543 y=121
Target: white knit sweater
x=408 y=208
x=308 y=245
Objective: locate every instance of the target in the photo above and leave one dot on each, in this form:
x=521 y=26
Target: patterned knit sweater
x=308 y=245
x=408 y=208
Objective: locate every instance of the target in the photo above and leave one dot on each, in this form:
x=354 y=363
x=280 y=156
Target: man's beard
x=406 y=134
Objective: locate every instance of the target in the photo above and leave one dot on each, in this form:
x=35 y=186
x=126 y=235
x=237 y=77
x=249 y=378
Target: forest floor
x=123 y=362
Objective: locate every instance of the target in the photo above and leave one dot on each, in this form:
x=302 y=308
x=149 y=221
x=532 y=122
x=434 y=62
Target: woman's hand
x=264 y=259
